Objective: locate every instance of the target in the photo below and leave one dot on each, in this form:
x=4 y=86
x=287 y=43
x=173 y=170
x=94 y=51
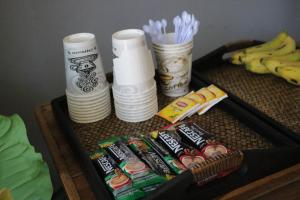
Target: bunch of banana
x=278 y=56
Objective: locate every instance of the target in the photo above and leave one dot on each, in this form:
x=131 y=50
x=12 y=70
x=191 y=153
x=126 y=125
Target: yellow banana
x=291 y=74
x=271 y=45
x=293 y=56
x=275 y=43
x=288 y=46
x=274 y=64
x=257 y=65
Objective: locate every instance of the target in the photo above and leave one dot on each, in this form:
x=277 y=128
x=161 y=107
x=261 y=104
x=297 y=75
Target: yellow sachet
x=217 y=91
x=177 y=109
x=209 y=96
x=219 y=96
x=199 y=98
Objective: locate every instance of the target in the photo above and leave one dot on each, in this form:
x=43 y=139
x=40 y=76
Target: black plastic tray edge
x=185 y=179
x=216 y=57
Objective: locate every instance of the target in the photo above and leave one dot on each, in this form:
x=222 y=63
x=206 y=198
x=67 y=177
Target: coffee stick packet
x=172 y=162
x=176 y=148
x=214 y=95
x=150 y=157
x=178 y=109
x=201 y=140
x=140 y=174
x=118 y=183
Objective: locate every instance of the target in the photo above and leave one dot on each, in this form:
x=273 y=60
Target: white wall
x=31 y=54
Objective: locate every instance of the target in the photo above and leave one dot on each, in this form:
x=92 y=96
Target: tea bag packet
x=119 y=184
x=178 y=109
x=199 y=99
x=141 y=175
x=213 y=95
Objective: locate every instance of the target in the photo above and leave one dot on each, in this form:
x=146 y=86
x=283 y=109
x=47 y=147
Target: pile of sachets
x=133 y=166
x=194 y=102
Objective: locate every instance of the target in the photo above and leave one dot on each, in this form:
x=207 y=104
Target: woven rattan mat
x=270 y=94
x=227 y=129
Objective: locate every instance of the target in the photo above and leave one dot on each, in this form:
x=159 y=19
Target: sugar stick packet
x=141 y=175
x=118 y=183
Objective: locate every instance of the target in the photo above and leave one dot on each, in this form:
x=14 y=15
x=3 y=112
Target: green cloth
x=22 y=170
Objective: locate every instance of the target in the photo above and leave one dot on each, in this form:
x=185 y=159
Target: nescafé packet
x=140 y=174
x=118 y=183
x=172 y=162
x=193 y=134
x=200 y=139
x=177 y=149
x=149 y=156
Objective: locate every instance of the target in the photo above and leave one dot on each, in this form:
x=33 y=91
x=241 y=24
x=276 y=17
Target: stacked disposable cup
x=87 y=91
x=134 y=87
x=174 y=65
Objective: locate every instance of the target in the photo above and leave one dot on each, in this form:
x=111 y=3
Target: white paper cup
x=174 y=66
x=136 y=102
x=83 y=64
x=141 y=94
x=133 y=67
x=89 y=107
x=141 y=105
x=136 y=118
x=99 y=101
x=89 y=118
x=96 y=99
x=134 y=89
x=91 y=114
x=135 y=110
x=127 y=39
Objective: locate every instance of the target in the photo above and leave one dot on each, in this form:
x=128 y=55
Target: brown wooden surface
x=281 y=185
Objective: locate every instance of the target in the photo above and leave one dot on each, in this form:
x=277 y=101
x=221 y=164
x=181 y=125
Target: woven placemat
x=269 y=94
x=227 y=129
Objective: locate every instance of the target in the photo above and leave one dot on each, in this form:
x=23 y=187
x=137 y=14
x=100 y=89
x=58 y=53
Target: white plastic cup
x=127 y=39
x=83 y=64
x=174 y=66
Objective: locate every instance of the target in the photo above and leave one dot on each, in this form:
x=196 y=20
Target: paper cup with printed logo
x=83 y=64
x=87 y=90
x=174 y=66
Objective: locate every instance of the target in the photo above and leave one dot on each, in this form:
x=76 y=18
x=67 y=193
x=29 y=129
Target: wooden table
x=281 y=185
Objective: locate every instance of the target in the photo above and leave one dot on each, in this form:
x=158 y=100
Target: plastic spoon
x=176 y=22
x=164 y=24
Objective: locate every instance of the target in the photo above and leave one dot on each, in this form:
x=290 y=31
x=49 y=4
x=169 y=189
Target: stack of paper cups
x=134 y=87
x=174 y=65
x=87 y=91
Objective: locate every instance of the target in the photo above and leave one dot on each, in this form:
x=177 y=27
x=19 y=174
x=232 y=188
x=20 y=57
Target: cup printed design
x=174 y=72
x=85 y=67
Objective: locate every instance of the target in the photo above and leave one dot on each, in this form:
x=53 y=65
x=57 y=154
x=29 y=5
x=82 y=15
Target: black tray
x=206 y=69
x=257 y=163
